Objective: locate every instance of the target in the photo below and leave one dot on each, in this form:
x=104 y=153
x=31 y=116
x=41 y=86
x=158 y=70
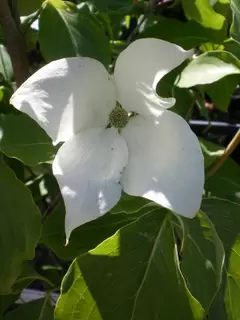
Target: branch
x=13 y=5
x=228 y=151
x=14 y=43
x=132 y=35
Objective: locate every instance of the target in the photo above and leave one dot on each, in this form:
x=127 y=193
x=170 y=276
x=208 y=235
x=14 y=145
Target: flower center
x=118 y=117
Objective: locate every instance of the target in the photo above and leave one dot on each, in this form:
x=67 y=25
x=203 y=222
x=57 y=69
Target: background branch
x=228 y=151
x=14 y=40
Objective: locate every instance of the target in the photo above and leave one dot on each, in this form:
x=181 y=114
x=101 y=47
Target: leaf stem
x=228 y=151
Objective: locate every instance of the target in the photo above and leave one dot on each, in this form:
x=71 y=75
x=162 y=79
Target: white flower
x=155 y=155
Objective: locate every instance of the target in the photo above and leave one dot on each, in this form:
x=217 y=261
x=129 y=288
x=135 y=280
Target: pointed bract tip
x=67 y=242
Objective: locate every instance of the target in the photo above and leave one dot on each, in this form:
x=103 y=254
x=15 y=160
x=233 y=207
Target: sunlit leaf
x=209 y=67
x=186 y=34
x=87 y=236
x=202 y=11
x=132 y=275
x=72 y=32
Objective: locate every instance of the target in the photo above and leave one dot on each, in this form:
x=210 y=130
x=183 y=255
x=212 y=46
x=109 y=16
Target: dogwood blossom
x=116 y=131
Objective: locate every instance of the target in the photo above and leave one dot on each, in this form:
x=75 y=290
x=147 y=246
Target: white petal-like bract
x=67 y=96
x=157 y=157
x=165 y=163
x=138 y=70
x=88 y=169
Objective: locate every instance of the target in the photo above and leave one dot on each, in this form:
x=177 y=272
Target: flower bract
x=117 y=132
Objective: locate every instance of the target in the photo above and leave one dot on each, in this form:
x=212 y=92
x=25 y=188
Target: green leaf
x=210 y=46
x=184 y=102
x=22 y=138
x=221 y=91
x=132 y=275
x=223 y=7
x=117 y=6
x=22 y=282
x=184 y=98
x=165 y=87
x=20 y=225
x=5 y=64
x=17 y=167
x=5 y=94
x=204 y=250
x=79 y=33
x=233 y=47
x=186 y=34
x=225 y=216
x=235 y=28
x=209 y=67
x=28 y=275
x=202 y=12
x=87 y=236
x=6 y=301
x=27 y=7
x=211 y=151
x=213 y=2
x=226 y=219
x=225 y=182
x=130 y=204
x=1 y=93
x=35 y=310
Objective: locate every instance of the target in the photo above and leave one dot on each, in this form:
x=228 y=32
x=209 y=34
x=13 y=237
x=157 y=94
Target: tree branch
x=228 y=151
x=14 y=42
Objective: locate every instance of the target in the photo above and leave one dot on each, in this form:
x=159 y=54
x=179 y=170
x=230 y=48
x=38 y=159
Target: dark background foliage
x=124 y=275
